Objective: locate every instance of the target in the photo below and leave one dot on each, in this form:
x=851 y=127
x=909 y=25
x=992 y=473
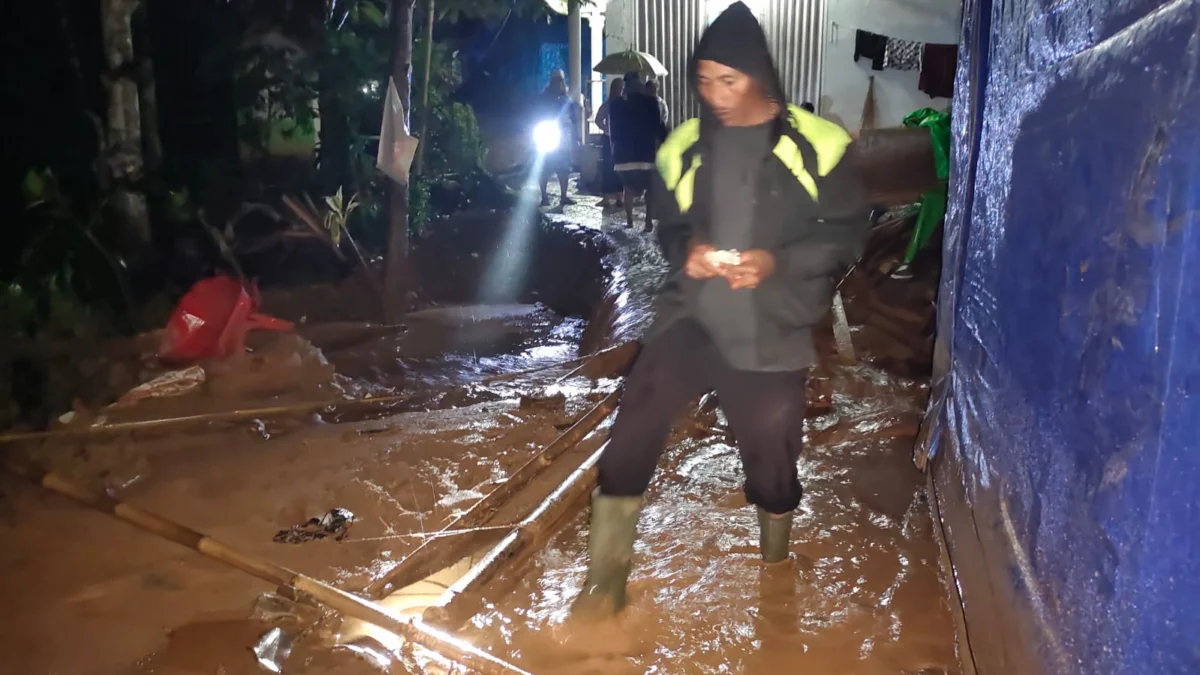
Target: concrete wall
x=844 y=87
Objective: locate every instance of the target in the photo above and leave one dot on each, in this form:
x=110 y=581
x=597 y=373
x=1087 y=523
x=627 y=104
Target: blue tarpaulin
x=1065 y=417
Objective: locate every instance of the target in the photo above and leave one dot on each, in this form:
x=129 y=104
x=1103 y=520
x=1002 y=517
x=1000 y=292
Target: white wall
x=844 y=84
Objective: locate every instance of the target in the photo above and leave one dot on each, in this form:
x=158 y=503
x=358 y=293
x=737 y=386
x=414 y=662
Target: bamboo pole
x=172 y=422
x=435 y=553
x=558 y=364
x=414 y=630
x=623 y=353
x=463 y=599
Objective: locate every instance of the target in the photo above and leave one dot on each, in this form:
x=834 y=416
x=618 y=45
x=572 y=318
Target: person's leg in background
x=627 y=196
x=669 y=372
x=766 y=414
x=562 y=161
x=544 y=182
x=641 y=183
x=610 y=180
x=564 y=179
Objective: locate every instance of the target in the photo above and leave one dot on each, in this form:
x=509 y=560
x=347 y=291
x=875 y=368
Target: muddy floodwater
x=862 y=595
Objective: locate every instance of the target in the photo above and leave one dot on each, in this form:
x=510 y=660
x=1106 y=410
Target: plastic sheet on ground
x=1063 y=421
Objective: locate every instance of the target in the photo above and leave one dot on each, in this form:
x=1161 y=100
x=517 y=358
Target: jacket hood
x=737 y=40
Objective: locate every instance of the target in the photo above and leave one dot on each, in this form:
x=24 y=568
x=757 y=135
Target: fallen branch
x=187 y=420
x=429 y=557
x=413 y=630
x=463 y=600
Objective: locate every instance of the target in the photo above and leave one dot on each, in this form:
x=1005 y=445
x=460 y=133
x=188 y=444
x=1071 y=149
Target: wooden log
x=437 y=552
x=463 y=599
x=897 y=165
x=350 y=605
x=174 y=423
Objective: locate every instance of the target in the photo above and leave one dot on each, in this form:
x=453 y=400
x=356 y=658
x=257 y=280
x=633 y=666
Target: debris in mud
x=278 y=608
x=172 y=383
x=554 y=403
x=273 y=649
x=336 y=523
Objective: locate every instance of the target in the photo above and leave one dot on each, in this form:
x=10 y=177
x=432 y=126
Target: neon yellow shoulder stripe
x=827 y=139
x=670 y=153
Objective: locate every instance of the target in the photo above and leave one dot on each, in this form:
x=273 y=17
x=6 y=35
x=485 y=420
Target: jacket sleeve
x=675 y=229
x=838 y=237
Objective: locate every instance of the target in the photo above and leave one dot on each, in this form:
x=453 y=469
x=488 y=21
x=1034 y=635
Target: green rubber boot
x=610 y=555
x=774 y=536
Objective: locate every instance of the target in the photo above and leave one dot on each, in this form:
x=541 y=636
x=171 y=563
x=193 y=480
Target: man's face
x=727 y=91
x=558 y=81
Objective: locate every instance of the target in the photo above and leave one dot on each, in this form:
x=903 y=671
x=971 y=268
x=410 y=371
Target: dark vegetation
x=154 y=143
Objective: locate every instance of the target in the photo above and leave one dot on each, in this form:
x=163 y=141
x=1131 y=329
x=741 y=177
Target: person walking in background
x=637 y=131
x=761 y=207
x=610 y=182
x=555 y=104
x=663 y=111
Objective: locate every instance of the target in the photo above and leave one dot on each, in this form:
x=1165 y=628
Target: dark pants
x=610 y=182
x=765 y=412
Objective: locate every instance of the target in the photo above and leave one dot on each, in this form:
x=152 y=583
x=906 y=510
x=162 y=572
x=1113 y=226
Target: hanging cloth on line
x=938 y=63
x=902 y=54
x=871 y=46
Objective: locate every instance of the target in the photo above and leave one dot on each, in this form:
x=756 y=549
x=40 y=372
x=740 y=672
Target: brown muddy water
x=862 y=595
x=92 y=596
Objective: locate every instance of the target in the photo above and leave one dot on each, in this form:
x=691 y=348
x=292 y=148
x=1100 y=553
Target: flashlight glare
x=546 y=137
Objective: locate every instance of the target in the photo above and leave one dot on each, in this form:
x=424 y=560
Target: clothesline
x=936 y=62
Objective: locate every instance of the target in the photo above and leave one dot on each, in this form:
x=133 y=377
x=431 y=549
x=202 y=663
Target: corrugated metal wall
x=796 y=32
x=669 y=29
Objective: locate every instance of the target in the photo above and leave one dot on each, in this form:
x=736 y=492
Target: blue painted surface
x=1065 y=420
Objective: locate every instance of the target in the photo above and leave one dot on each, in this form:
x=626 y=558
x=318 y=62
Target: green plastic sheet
x=933 y=203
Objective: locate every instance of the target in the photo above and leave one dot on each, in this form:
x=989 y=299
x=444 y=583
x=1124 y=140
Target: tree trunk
x=423 y=133
x=396 y=274
x=334 y=138
x=123 y=155
x=147 y=88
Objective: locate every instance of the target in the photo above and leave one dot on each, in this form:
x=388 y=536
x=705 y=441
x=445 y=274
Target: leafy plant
x=338 y=215
x=65 y=241
x=455 y=140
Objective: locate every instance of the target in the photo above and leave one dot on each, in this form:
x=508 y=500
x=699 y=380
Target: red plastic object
x=212 y=321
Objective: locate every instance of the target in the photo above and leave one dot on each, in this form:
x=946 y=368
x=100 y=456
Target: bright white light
x=547 y=137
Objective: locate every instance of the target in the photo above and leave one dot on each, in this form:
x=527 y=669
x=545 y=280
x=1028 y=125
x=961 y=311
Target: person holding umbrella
x=637 y=130
x=760 y=208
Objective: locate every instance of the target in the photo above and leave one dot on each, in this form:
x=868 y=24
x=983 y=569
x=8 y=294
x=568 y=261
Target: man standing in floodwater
x=760 y=209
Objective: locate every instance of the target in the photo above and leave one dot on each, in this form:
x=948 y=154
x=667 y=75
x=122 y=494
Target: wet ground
x=863 y=596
